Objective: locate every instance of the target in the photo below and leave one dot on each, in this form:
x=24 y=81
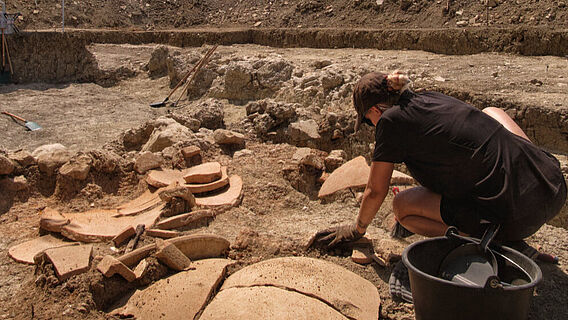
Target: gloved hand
x=335 y=235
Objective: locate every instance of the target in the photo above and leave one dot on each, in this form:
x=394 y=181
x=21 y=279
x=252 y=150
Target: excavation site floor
x=276 y=218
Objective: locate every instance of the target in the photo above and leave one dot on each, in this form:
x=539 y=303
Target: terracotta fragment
x=362 y=255
x=172 y=257
x=132 y=258
x=229 y=197
x=201 y=246
x=101 y=225
x=190 y=151
x=52 y=220
x=259 y=303
x=203 y=173
x=110 y=266
x=348 y=293
x=180 y=296
x=352 y=174
x=211 y=186
x=124 y=235
x=25 y=252
x=399 y=178
x=163 y=178
x=70 y=261
x=144 y=202
x=164 y=234
x=184 y=219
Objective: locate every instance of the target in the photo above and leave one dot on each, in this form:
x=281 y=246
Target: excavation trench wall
x=55 y=57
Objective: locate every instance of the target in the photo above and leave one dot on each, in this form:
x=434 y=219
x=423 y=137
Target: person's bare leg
x=503 y=118
x=418 y=210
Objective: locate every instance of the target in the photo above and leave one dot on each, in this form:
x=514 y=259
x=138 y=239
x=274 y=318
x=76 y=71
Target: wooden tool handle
x=14 y=116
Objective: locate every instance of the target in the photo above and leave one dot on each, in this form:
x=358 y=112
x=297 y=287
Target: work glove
x=336 y=235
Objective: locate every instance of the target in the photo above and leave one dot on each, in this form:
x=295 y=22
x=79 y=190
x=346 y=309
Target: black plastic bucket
x=436 y=298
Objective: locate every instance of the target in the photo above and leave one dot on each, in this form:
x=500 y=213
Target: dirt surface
x=86 y=96
x=274 y=218
x=150 y=15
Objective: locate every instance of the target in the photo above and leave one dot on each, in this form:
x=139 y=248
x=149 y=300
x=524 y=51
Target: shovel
x=32 y=126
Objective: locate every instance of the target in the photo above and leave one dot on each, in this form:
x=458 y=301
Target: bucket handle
x=490 y=232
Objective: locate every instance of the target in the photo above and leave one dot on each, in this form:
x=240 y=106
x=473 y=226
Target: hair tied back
x=397 y=81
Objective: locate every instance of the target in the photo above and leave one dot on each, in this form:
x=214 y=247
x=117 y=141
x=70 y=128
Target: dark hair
x=370 y=90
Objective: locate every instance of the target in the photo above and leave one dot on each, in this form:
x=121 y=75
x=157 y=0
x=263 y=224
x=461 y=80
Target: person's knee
x=400 y=205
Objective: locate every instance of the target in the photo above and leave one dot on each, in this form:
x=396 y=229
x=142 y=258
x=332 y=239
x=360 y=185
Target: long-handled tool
x=200 y=65
x=185 y=77
x=30 y=125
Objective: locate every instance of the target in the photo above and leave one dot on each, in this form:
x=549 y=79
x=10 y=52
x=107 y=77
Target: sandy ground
x=86 y=116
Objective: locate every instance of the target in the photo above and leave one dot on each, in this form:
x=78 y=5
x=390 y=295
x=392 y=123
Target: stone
x=346 y=292
x=25 y=252
x=172 y=257
x=190 y=151
x=210 y=114
x=334 y=160
x=164 y=234
x=491 y=3
x=211 y=186
x=353 y=174
x=20 y=183
x=49 y=162
x=77 y=169
x=242 y=153
x=104 y=161
x=230 y=197
x=259 y=303
x=282 y=112
x=203 y=173
x=304 y=130
x=319 y=64
x=184 y=219
x=6 y=165
x=166 y=136
x=52 y=220
x=176 y=190
x=23 y=158
x=180 y=296
x=331 y=80
x=399 y=178
x=47 y=148
x=124 y=235
x=146 y=161
x=223 y=136
x=163 y=178
x=308 y=157
x=70 y=261
x=109 y=266
x=157 y=66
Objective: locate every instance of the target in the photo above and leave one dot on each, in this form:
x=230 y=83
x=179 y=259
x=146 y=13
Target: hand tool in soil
x=32 y=126
x=163 y=103
x=200 y=65
x=472 y=263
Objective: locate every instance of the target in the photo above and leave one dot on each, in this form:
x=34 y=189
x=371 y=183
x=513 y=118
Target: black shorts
x=472 y=218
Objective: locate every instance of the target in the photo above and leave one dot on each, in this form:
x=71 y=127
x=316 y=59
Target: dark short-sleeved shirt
x=460 y=152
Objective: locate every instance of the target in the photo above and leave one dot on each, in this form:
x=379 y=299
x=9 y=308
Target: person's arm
x=375 y=193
